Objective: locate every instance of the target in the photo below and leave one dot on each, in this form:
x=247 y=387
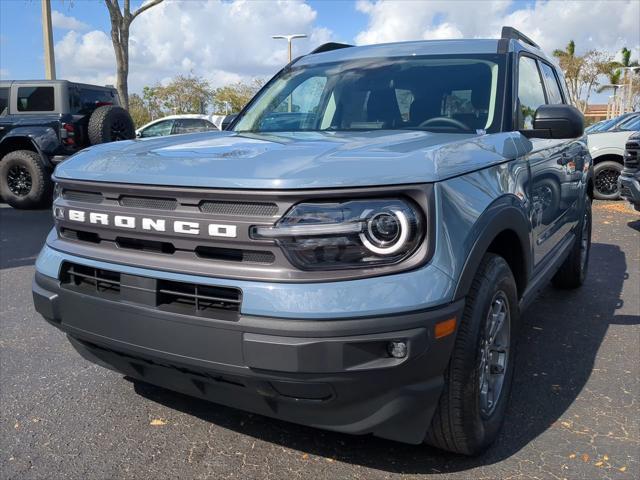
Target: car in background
x=612 y=123
x=629 y=180
x=42 y=122
x=177 y=124
x=607 y=151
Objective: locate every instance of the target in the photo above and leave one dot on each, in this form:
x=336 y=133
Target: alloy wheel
x=19 y=180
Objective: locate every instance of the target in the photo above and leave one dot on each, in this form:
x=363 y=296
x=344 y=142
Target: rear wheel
x=573 y=271
x=478 y=379
x=605 y=176
x=24 y=182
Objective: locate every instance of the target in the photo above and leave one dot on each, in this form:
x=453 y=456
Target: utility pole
x=47 y=36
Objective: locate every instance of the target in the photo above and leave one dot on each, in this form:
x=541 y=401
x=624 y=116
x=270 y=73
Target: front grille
x=149 y=202
x=235 y=255
x=80 y=196
x=90 y=280
x=198 y=300
x=631 y=155
x=145 y=245
x=239 y=209
x=80 y=235
x=222 y=303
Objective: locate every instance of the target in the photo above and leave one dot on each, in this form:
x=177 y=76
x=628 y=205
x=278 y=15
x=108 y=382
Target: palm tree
x=571 y=66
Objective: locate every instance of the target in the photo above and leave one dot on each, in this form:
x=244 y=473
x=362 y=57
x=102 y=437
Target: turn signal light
x=445 y=328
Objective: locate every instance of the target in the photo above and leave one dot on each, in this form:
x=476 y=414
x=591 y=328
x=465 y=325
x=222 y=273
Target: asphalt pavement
x=574 y=409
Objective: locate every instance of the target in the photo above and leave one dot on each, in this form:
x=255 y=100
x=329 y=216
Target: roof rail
x=327 y=47
x=512 y=33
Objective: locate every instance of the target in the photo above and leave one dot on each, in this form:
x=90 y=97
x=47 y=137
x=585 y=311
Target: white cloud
x=603 y=24
x=63 y=22
x=222 y=41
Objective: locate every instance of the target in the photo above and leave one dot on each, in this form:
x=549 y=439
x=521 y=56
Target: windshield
x=453 y=94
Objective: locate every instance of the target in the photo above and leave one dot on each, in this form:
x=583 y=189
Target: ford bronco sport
x=42 y=122
x=353 y=254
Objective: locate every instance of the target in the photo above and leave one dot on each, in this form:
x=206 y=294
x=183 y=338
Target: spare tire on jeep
x=110 y=124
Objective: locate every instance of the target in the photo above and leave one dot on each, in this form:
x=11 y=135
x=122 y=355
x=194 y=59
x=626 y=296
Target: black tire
x=110 y=124
x=605 y=180
x=461 y=424
x=573 y=271
x=24 y=181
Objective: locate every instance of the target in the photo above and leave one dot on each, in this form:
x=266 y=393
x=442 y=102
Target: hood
x=289 y=160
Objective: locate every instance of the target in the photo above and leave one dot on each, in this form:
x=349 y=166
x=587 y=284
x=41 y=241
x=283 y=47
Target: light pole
x=614 y=87
x=47 y=36
x=289 y=38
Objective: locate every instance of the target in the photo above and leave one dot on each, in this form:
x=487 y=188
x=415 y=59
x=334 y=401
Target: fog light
x=397 y=349
x=58 y=213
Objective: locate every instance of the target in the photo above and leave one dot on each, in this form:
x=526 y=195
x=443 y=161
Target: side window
x=190 y=125
x=553 y=89
x=35 y=99
x=158 y=129
x=530 y=92
x=404 y=99
x=4 y=100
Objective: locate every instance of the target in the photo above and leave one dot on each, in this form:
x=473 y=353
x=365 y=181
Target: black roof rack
x=512 y=33
x=327 y=47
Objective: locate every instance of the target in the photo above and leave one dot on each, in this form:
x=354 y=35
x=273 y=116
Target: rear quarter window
x=4 y=100
x=86 y=100
x=35 y=99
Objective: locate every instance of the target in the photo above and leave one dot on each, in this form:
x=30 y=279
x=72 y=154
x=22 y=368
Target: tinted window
x=632 y=124
x=158 y=129
x=4 y=100
x=191 y=125
x=35 y=99
x=85 y=100
x=530 y=92
x=440 y=93
x=553 y=89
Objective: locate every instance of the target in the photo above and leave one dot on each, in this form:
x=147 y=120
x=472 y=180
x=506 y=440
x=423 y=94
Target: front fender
x=505 y=214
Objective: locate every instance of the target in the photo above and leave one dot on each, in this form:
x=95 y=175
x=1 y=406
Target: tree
x=184 y=94
x=233 y=98
x=138 y=110
x=120 y=25
x=582 y=72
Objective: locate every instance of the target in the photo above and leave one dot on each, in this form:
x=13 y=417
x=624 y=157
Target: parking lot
x=574 y=410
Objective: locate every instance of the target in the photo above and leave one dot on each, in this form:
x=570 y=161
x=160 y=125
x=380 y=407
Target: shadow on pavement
x=22 y=234
x=559 y=340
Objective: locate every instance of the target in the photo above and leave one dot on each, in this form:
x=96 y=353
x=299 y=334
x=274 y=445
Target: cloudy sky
x=230 y=40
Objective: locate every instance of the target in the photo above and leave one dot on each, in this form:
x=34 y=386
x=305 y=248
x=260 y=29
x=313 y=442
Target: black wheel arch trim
x=505 y=213
x=41 y=139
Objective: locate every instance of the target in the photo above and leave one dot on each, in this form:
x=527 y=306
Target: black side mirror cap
x=556 y=121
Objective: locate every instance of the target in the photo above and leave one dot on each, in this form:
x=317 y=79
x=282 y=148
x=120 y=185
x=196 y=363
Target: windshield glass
x=632 y=123
x=452 y=94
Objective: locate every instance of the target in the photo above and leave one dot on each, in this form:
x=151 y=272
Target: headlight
x=58 y=212
x=350 y=234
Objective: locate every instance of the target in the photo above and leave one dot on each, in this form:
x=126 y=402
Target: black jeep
x=44 y=121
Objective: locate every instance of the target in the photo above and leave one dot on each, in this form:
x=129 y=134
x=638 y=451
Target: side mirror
x=556 y=121
x=138 y=134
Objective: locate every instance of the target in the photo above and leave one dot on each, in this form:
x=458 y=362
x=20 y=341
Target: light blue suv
x=353 y=254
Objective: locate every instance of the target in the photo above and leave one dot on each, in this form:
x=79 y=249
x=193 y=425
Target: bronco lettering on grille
x=153 y=224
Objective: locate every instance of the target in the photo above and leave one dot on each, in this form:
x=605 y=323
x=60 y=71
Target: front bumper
x=328 y=373
x=629 y=186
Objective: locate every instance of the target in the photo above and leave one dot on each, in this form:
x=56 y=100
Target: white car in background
x=607 y=152
x=176 y=124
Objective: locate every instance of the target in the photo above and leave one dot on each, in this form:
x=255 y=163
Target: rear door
x=553 y=164
x=4 y=111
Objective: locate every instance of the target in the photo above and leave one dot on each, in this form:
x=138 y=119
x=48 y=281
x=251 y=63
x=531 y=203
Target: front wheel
x=605 y=176
x=478 y=379
x=24 y=182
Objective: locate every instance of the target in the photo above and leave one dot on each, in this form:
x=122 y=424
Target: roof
x=8 y=83
x=422 y=47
